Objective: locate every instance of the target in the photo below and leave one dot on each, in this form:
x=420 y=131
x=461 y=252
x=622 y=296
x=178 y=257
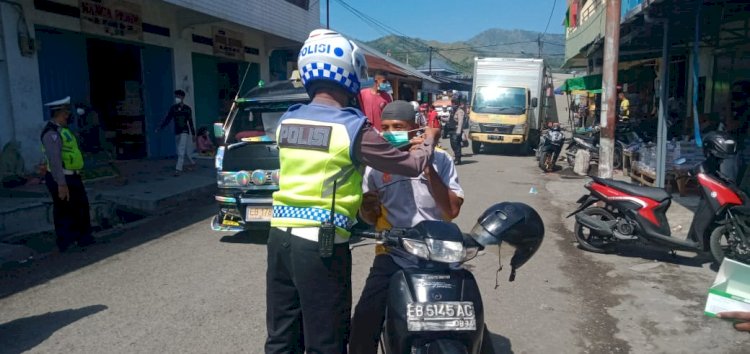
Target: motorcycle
x=435 y=307
x=624 y=136
x=626 y=212
x=550 y=147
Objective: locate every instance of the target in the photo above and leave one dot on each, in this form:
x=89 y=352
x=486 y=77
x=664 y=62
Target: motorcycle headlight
x=519 y=129
x=474 y=127
x=258 y=177
x=417 y=248
x=275 y=176
x=219 y=160
x=446 y=251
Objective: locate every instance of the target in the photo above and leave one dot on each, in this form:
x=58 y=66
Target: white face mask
x=177 y=100
x=80 y=111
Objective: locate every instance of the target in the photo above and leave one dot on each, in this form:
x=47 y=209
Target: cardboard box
x=731 y=289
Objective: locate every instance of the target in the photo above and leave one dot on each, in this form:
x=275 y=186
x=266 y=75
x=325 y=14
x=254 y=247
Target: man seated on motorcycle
x=399 y=201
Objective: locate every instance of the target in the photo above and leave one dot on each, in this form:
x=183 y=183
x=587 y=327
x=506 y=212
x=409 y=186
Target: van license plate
x=257 y=214
x=495 y=137
x=441 y=316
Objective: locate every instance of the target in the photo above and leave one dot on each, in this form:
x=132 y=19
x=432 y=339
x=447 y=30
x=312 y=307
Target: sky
x=443 y=20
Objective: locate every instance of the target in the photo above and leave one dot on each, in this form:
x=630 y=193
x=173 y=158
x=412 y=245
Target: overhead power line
x=552 y=12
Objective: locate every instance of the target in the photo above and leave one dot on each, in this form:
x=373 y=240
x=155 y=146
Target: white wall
x=24 y=99
x=273 y=16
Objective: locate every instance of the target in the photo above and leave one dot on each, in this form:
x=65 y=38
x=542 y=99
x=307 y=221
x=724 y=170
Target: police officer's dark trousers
x=309 y=297
x=456 y=138
x=369 y=315
x=71 y=217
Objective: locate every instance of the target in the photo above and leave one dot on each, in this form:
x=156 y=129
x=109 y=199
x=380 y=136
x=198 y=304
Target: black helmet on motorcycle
x=719 y=144
x=515 y=224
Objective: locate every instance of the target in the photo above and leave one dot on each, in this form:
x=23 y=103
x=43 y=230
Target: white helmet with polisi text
x=329 y=56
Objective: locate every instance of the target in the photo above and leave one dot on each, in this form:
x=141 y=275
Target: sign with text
x=116 y=18
x=228 y=43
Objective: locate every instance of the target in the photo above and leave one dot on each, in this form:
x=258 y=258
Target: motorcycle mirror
x=680 y=161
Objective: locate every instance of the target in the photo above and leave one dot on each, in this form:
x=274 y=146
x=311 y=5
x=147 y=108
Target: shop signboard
x=631 y=7
x=116 y=18
x=228 y=43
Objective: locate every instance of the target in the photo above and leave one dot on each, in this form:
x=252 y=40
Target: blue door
x=63 y=67
x=158 y=96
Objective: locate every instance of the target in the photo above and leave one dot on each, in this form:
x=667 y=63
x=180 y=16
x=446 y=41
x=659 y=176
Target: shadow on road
x=24 y=276
x=652 y=253
x=253 y=237
x=467 y=162
x=24 y=334
x=500 y=344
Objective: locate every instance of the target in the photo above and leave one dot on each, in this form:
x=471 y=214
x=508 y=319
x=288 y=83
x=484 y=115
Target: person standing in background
x=70 y=204
x=372 y=100
x=184 y=130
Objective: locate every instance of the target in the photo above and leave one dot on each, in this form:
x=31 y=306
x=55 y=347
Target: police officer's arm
x=444 y=187
x=374 y=151
x=53 y=149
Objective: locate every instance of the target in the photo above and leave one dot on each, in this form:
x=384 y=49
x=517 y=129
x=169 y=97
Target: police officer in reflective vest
x=63 y=179
x=323 y=147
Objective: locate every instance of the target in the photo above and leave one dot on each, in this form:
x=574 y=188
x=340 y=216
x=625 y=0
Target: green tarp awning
x=590 y=83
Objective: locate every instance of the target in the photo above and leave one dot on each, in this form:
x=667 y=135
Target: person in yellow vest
x=63 y=178
x=323 y=148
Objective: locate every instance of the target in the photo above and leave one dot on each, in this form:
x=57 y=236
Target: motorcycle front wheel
x=592 y=242
x=723 y=244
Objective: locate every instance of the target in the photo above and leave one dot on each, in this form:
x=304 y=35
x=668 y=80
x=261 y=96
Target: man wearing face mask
x=373 y=100
x=323 y=146
x=392 y=200
x=70 y=205
x=184 y=131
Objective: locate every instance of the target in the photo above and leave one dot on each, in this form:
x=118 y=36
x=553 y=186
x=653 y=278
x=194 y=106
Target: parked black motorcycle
x=626 y=212
x=624 y=136
x=549 y=148
x=436 y=308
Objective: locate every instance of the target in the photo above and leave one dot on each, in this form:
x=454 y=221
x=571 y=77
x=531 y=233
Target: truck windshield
x=251 y=125
x=500 y=100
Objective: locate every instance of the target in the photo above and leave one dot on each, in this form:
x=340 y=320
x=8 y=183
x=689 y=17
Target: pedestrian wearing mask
x=184 y=131
x=323 y=147
x=372 y=100
x=70 y=205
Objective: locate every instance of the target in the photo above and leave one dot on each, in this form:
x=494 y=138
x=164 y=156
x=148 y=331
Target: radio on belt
x=327 y=232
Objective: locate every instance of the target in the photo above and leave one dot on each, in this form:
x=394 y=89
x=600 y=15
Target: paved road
x=171 y=285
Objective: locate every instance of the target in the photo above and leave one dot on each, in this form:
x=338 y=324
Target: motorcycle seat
x=657 y=194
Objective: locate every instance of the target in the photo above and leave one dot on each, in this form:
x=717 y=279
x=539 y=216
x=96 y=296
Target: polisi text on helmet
x=315 y=48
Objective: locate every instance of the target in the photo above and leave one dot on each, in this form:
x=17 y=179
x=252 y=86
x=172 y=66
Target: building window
x=305 y=4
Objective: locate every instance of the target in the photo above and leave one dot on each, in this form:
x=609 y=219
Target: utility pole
x=609 y=88
x=430 y=61
x=328 y=14
x=539 y=45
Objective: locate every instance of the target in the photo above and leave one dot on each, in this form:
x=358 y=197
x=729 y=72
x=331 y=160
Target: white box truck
x=507 y=102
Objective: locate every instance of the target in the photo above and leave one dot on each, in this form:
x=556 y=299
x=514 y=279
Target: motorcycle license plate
x=441 y=316
x=258 y=214
x=495 y=137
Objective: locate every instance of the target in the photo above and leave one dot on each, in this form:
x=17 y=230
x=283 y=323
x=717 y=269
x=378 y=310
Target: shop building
x=124 y=58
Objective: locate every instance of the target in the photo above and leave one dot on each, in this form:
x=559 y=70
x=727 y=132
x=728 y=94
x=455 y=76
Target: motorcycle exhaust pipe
x=596 y=225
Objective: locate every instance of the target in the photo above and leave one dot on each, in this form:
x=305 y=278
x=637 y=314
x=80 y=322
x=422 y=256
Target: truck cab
x=247 y=163
x=505 y=105
x=500 y=115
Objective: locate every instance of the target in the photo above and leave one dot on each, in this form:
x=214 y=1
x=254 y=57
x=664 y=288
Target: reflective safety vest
x=315 y=150
x=72 y=157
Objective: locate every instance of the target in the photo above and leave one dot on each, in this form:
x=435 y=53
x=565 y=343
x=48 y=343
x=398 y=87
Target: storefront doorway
x=217 y=82
x=117 y=92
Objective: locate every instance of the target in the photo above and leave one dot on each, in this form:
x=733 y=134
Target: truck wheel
x=476 y=147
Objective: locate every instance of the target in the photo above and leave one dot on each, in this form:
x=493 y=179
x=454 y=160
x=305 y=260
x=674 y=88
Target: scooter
x=625 y=212
x=549 y=148
x=624 y=136
x=437 y=307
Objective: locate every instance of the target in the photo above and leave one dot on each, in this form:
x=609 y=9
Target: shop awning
x=590 y=83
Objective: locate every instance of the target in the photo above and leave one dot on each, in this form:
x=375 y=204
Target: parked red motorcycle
x=626 y=212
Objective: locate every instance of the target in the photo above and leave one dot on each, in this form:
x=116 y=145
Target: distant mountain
x=494 y=42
